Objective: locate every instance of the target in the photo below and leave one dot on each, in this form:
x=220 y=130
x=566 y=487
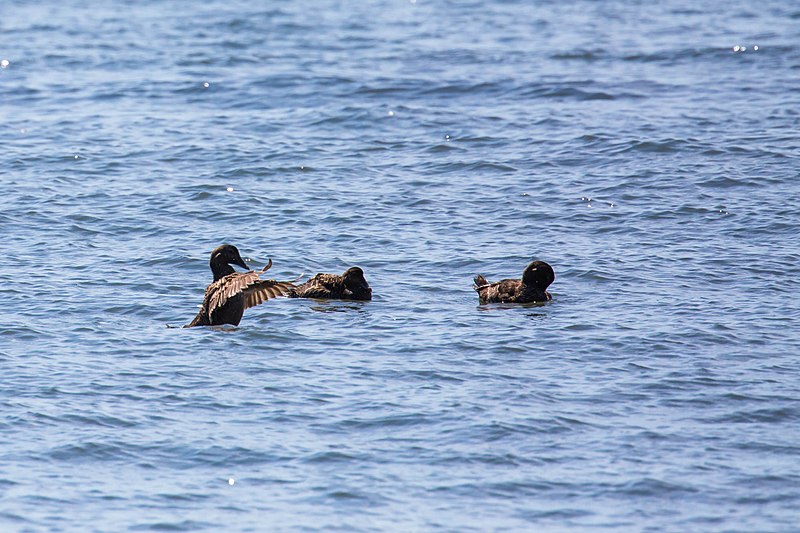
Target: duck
x=232 y=292
x=536 y=277
x=351 y=285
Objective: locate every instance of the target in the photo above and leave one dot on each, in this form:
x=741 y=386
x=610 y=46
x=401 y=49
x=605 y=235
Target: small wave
x=332 y=457
x=12 y=517
x=571 y=93
x=455 y=89
x=654 y=488
x=583 y=55
x=503 y=489
x=391 y=421
x=182 y=525
x=443 y=148
x=91 y=451
x=665 y=146
x=775 y=415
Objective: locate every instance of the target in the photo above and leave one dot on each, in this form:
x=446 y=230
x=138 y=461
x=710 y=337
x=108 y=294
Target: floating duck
x=351 y=285
x=536 y=277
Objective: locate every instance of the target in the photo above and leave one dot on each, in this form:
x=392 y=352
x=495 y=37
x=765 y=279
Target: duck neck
x=220 y=268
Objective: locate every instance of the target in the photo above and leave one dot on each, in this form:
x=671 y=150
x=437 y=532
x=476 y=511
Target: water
x=627 y=144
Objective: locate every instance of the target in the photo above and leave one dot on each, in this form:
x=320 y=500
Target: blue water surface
x=648 y=151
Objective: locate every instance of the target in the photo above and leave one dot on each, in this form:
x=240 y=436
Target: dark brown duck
x=232 y=292
x=351 y=285
x=536 y=277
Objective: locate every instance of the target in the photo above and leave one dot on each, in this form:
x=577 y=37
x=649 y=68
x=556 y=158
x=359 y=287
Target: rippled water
x=627 y=144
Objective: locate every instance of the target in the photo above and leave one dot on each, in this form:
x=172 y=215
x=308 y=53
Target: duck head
x=538 y=274
x=225 y=255
x=355 y=281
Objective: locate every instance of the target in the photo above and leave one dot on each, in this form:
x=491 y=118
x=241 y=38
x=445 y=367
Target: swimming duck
x=351 y=285
x=232 y=292
x=536 y=277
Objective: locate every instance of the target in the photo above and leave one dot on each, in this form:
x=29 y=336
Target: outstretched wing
x=262 y=290
x=249 y=284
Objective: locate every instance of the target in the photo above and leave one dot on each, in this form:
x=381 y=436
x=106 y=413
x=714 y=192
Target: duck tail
x=479 y=281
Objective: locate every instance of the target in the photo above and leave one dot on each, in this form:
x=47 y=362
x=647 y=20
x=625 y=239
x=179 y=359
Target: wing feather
x=255 y=290
x=262 y=290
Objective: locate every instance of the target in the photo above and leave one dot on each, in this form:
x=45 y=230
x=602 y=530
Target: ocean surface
x=649 y=151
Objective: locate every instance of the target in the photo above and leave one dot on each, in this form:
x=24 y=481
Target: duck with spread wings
x=232 y=292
